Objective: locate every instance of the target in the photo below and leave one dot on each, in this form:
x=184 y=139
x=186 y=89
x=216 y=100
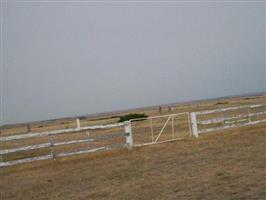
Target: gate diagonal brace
x=163 y=128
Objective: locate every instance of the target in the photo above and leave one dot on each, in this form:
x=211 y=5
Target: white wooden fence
x=246 y=117
x=53 y=155
x=155 y=130
x=150 y=130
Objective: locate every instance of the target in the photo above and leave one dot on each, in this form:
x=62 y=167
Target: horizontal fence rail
x=51 y=144
x=223 y=122
x=78 y=129
x=218 y=120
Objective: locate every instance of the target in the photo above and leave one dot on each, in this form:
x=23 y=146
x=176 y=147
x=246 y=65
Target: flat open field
x=114 y=117
x=228 y=165
x=220 y=165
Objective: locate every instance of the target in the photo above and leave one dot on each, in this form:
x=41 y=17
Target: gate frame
x=161 y=131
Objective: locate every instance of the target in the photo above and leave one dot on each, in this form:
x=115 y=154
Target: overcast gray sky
x=66 y=59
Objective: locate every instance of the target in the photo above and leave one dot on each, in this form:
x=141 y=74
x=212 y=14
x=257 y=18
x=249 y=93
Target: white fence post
x=51 y=146
x=249 y=118
x=195 y=131
x=28 y=128
x=129 y=136
x=78 y=123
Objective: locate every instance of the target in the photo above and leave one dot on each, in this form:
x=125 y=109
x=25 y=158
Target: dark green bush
x=132 y=116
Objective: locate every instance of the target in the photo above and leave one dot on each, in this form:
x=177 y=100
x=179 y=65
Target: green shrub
x=132 y=116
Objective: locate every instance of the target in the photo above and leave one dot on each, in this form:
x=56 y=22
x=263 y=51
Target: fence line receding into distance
x=102 y=141
x=225 y=118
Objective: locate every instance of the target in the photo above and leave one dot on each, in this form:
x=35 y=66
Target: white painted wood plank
x=229 y=108
x=45 y=145
x=219 y=120
x=109 y=147
x=79 y=152
x=26 y=148
x=41 y=134
x=231 y=126
x=25 y=160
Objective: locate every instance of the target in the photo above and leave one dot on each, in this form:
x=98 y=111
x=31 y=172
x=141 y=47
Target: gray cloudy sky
x=63 y=59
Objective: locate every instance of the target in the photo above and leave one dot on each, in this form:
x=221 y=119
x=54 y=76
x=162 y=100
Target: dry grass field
x=219 y=165
x=228 y=165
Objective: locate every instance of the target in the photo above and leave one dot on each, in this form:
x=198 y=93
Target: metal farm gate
x=160 y=129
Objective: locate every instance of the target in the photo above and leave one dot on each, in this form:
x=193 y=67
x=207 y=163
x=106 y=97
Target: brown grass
x=221 y=165
x=228 y=165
